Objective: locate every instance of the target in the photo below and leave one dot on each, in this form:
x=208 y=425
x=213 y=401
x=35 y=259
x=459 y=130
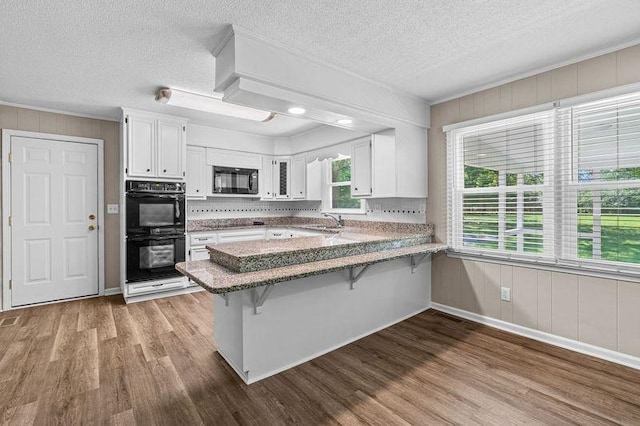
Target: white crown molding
x=541 y=336
x=540 y=70
x=235 y=29
x=57 y=111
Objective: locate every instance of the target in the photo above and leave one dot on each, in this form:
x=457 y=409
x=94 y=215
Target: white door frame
x=6 y=205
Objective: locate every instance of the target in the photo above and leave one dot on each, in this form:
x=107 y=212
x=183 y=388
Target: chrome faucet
x=337 y=219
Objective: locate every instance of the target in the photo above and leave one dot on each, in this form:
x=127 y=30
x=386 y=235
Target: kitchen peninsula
x=279 y=303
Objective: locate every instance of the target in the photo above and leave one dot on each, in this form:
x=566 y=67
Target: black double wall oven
x=155 y=229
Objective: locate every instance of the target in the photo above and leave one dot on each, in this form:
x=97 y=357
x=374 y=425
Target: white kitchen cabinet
x=229 y=158
x=361 y=182
x=282 y=174
x=298 y=176
x=141 y=145
x=155 y=145
x=373 y=166
x=241 y=235
x=265 y=178
x=171 y=149
x=196 y=172
x=314 y=181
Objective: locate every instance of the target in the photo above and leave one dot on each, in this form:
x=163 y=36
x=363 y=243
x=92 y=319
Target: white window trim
x=327 y=201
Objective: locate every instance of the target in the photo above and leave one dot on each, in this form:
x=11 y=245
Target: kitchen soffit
x=92 y=57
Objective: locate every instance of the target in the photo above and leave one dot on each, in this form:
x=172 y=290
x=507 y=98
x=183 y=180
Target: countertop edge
x=309 y=269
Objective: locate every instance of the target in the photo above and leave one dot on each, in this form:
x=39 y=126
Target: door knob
x=91 y=227
x=92 y=217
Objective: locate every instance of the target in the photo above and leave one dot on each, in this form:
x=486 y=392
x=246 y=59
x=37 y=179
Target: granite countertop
x=211 y=225
x=219 y=280
x=248 y=256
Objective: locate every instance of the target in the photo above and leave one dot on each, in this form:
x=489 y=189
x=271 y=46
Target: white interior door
x=54 y=211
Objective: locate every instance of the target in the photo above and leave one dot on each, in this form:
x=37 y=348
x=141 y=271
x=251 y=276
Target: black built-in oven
x=155 y=221
x=155 y=208
x=154 y=258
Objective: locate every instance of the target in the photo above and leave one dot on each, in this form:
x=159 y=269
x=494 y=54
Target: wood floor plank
x=99 y=361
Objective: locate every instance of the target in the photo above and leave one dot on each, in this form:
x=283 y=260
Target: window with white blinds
x=601 y=191
x=502 y=186
x=562 y=184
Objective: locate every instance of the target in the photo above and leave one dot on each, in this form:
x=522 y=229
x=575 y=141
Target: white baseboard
x=541 y=336
x=249 y=380
x=112 y=291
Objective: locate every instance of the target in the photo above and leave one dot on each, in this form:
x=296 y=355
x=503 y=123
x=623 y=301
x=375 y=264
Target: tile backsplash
x=407 y=210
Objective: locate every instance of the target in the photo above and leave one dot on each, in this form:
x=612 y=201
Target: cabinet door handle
x=355 y=189
x=148 y=170
x=164 y=171
x=197 y=190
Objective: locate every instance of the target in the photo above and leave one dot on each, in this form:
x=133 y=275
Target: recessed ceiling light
x=296 y=110
x=213 y=104
x=344 y=121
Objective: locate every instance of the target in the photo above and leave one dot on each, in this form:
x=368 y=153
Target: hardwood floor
x=99 y=361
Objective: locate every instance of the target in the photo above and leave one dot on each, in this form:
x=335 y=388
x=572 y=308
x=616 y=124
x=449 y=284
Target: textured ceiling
x=93 y=56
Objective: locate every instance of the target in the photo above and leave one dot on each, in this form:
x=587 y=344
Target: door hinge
x=126 y=120
x=11 y=157
x=184 y=128
x=10 y=220
x=10 y=284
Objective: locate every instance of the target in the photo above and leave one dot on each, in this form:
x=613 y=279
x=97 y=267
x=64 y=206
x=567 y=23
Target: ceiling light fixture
x=344 y=121
x=296 y=110
x=213 y=104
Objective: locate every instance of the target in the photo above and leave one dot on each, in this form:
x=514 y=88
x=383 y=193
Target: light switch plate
x=113 y=208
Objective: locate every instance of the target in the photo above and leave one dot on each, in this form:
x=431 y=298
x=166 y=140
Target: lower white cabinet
x=277 y=234
x=241 y=235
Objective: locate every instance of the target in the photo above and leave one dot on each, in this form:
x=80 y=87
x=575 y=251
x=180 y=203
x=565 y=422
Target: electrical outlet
x=112 y=209
x=505 y=294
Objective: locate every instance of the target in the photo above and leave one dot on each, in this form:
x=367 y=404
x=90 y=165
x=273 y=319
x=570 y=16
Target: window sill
x=603 y=271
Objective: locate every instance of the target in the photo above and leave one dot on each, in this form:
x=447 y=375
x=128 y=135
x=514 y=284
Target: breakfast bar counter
x=279 y=303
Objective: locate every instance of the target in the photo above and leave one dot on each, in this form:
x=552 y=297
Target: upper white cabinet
x=228 y=158
x=141 y=144
x=373 y=166
x=282 y=177
x=171 y=145
x=361 y=181
x=314 y=180
x=196 y=172
x=265 y=178
x=298 y=176
x=155 y=145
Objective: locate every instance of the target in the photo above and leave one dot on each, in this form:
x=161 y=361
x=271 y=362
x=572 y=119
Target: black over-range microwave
x=234 y=180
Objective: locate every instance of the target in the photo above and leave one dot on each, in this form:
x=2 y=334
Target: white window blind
x=600 y=197
x=502 y=185
x=561 y=185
